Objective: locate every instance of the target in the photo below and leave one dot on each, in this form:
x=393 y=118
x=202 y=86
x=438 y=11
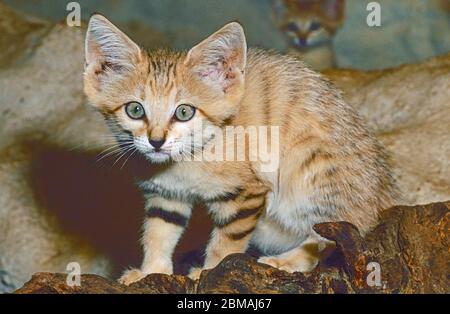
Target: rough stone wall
x=414 y=30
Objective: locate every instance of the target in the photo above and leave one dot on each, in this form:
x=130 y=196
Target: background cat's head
x=154 y=101
x=308 y=23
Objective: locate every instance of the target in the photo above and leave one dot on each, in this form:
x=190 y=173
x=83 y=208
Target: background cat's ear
x=334 y=9
x=109 y=49
x=220 y=59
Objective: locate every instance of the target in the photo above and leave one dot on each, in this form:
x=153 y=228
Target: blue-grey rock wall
x=411 y=30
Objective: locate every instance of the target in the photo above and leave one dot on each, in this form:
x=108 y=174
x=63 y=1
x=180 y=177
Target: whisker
x=116 y=150
x=123 y=154
x=132 y=153
x=109 y=148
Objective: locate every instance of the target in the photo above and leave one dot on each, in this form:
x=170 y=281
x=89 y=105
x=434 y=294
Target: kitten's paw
x=302 y=265
x=195 y=272
x=273 y=261
x=131 y=275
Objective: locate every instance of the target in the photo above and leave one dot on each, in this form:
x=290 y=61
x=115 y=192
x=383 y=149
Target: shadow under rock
x=98 y=202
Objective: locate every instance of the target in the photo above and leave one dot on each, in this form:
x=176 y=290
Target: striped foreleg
x=165 y=222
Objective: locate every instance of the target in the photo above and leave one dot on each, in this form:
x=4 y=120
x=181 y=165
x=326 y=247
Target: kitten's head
x=155 y=101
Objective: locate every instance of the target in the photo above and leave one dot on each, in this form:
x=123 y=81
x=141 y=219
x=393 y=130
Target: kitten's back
x=327 y=153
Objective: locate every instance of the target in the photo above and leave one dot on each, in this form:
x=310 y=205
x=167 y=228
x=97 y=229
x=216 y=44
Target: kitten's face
x=156 y=102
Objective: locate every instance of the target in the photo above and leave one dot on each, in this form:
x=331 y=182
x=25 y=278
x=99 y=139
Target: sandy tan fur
x=331 y=167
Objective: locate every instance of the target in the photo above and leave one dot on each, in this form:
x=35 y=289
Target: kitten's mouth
x=158 y=156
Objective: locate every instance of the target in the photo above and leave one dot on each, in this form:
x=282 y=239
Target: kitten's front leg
x=234 y=220
x=164 y=224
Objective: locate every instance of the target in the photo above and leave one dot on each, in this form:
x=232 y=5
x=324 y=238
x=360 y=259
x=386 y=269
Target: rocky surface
x=48 y=283
x=408 y=250
x=41 y=68
x=409 y=110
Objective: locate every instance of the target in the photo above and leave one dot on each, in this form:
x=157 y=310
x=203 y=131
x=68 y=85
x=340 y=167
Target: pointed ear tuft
x=109 y=49
x=220 y=59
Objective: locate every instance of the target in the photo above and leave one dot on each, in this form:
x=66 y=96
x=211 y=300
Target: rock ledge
x=410 y=245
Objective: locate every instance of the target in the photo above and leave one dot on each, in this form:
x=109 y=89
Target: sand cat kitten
x=331 y=168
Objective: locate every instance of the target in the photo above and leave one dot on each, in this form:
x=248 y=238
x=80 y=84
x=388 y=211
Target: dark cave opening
x=99 y=203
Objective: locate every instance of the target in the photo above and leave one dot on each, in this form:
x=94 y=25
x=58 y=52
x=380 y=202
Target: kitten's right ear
x=108 y=49
x=220 y=59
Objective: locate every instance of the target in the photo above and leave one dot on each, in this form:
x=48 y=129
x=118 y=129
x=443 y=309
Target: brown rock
x=161 y=283
x=238 y=273
x=48 y=283
x=410 y=246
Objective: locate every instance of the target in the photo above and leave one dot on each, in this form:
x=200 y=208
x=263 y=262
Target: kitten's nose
x=157 y=143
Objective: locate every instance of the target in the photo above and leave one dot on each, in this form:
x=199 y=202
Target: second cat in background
x=309 y=27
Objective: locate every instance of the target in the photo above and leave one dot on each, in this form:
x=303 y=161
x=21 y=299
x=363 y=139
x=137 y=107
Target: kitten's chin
x=158 y=157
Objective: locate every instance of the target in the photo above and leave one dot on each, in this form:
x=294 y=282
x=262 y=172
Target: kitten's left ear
x=220 y=59
x=107 y=49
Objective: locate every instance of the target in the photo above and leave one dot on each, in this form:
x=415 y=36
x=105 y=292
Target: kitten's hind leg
x=303 y=258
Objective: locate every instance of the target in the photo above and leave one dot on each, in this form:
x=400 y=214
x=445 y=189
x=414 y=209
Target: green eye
x=135 y=110
x=184 y=112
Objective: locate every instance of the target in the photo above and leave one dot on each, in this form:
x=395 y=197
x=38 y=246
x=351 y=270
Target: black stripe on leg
x=240 y=215
x=225 y=197
x=168 y=216
x=255 y=195
x=240 y=235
